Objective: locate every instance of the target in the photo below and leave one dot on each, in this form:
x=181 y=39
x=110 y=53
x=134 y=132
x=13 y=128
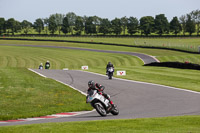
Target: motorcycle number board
x=84 y=67
x=121 y=73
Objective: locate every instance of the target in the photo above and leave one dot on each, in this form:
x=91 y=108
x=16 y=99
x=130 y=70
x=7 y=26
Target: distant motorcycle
x=110 y=72
x=101 y=104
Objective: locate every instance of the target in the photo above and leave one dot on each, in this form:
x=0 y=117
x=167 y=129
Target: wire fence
x=169 y=45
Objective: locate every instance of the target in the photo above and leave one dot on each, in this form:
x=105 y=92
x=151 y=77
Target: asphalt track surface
x=134 y=99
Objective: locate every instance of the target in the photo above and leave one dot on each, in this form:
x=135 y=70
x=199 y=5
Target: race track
x=134 y=99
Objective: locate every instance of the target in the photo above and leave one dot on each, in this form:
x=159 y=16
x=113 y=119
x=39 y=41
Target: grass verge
x=187 y=44
x=162 y=55
x=24 y=94
x=184 y=124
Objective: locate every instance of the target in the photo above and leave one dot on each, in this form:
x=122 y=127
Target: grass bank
x=162 y=55
x=11 y=56
x=184 y=124
x=24 y=94
x=187 y=44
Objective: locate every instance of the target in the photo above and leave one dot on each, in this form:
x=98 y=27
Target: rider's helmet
x=91 y=84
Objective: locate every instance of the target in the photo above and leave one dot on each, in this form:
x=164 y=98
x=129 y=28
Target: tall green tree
x=190 y=25
x=124 y=22
x=78 y=25
x=84 y=22
x=116 y=26
x=90 y=27
x=10 y=24
x=52 y=24
x=105 y=26
x=147 y=25
x=71 y=18
x=39 y=25
x=26 y=26
x=196 y=17
x=161 y=24
x=183 y=23
x=97 y=21
x=2 y=25
x=18 y=26
x=59 y=21
x=132 y=25
x=46 y=24
x=175 y=26
x=65 y=26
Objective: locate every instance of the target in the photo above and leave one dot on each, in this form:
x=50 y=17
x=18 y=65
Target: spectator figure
x=47 y=65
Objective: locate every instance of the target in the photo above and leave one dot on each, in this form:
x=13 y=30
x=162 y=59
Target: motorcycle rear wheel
x=115 y=110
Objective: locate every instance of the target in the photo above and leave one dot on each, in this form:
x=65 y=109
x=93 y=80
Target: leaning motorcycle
x=110 y=72
x=101 y=104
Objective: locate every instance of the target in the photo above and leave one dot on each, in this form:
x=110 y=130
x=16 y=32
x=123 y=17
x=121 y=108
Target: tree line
x=77 y=25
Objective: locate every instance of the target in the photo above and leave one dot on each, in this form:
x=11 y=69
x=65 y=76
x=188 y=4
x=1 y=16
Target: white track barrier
x=121 y=73
x=84 y=67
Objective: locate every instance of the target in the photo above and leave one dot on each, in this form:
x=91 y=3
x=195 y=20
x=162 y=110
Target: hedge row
x=185 y=65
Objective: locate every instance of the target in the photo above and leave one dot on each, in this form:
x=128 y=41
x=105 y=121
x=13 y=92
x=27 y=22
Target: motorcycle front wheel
x=109 y=76
x=100 y=109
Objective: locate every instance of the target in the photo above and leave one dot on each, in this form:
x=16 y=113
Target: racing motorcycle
x=110 y=72
x=100 y=103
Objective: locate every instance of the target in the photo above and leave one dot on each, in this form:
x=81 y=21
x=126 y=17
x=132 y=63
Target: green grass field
x=11 y=56
x=24 y=94
x=17 y=83
x=186 y=124
x=187 y=44
x=162 y=55
x=93 y=46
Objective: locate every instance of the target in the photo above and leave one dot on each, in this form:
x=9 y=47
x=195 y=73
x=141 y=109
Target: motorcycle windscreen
x=110 y=69
x=91 y=92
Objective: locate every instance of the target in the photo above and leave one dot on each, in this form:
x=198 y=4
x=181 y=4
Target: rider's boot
x=111 y=102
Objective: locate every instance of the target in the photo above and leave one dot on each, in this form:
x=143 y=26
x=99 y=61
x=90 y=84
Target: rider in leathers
x=96 y=86
x=108 y=66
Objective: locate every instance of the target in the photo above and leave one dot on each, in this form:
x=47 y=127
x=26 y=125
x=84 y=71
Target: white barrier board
x=84 y=67
x=121 y=73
